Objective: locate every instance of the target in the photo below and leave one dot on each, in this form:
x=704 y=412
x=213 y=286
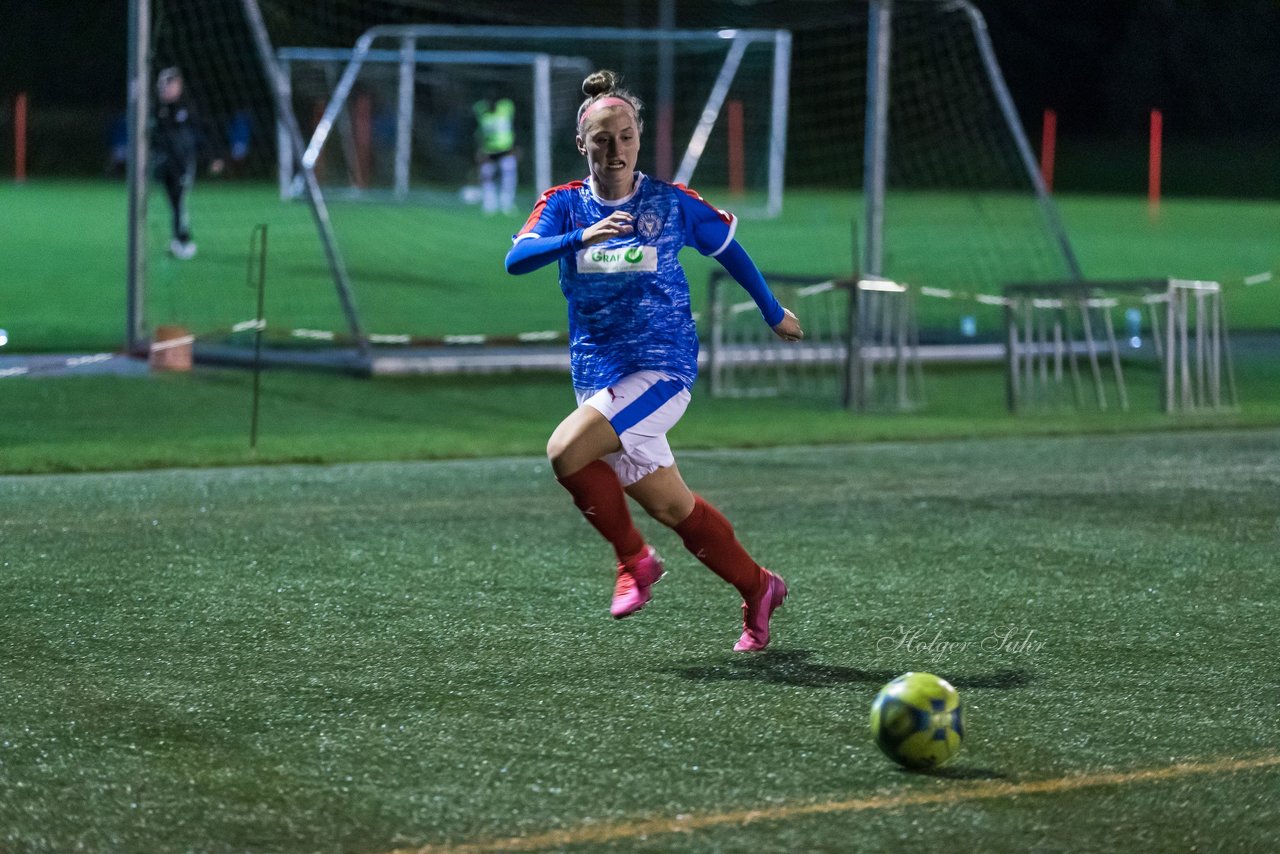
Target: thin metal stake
x=261 y=324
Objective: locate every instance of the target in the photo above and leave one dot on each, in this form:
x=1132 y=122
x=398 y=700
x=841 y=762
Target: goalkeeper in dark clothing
x=178 y=140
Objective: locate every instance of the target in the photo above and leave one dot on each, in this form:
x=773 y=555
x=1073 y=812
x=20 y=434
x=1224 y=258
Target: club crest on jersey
x=618 y=259
x=649 y=225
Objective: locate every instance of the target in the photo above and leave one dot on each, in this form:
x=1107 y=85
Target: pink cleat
x=757 y=611
x=635 y=578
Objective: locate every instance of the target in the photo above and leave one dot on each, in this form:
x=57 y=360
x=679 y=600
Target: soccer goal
x=356 y=142
x=441 y=70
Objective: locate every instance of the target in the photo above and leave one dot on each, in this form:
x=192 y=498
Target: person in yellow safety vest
x=497 y=153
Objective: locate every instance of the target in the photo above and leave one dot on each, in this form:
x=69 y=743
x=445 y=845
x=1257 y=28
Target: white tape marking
x=810 y=290
x=546 y=335
x=169 y=344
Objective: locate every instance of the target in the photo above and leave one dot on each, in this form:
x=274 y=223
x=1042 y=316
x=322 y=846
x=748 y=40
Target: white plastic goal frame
x=438 y=35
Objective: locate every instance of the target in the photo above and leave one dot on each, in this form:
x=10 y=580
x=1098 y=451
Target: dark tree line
x=1214 y=65
x=1101 y=63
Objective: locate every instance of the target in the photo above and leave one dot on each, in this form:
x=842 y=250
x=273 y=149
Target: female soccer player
x=634 y=351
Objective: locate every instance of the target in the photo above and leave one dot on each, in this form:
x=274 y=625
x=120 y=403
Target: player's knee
x=668 y=512
x=562 y=455
x=556 y=447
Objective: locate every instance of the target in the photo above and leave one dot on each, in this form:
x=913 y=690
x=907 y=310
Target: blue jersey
x=628 y=297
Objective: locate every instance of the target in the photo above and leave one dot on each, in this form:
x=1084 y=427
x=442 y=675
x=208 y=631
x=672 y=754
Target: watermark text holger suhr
x=1005 y=640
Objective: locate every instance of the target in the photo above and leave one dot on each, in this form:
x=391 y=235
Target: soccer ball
x=918 y=721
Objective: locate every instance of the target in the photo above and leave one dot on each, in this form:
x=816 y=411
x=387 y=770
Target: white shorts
x=641 y=408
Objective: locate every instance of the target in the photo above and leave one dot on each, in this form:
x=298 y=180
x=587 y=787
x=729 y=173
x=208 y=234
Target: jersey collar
x=613 y=203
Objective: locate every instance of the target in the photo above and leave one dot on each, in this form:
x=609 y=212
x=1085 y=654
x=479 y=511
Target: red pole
x=1153 y=162
x=1048 y=147
x=364 y=139
x=20 y=138
x=737 y=174
x=666 y=123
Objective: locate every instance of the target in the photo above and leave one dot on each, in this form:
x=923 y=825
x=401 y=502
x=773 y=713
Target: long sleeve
x=530 y=253
x=745 y=272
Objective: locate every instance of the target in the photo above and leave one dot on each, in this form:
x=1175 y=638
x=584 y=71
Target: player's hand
x=788 y=329
x=614 y=225
x=216 y=167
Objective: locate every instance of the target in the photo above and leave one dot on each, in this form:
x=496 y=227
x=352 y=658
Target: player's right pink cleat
x=757 y=611
x=635 y=578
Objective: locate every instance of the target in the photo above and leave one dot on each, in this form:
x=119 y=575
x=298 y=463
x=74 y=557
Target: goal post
x=315 y=197
x=136 y=169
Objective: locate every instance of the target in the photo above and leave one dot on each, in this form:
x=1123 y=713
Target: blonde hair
x=605 y=84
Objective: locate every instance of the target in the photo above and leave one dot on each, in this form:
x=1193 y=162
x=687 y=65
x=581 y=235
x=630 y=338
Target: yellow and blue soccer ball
x=918 y=720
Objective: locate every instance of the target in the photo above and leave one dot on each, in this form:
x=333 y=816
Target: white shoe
x=182 y=250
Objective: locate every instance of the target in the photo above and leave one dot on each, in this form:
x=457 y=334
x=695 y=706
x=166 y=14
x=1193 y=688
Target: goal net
x=350 y=130
x=917 y=122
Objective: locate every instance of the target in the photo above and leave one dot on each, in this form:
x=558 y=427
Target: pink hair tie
x=609 y=101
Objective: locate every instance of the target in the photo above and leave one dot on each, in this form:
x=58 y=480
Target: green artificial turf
x=381 y=656
x=85 y=423
x=434 y=271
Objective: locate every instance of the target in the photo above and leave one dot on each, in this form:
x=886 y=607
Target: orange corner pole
x=20 y=138
x=737 y=171
x=665 y=156
x=364 y=140
x=1048 y=147
x=1154 y=162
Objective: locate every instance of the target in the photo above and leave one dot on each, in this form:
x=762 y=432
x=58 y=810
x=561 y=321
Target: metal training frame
x=1051 y=327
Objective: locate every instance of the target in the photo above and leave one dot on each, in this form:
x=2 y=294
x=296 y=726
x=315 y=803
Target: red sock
x=710 y=537
x=597 y=492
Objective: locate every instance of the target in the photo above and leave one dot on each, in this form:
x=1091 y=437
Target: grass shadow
x=784 y=667
x=795 y=667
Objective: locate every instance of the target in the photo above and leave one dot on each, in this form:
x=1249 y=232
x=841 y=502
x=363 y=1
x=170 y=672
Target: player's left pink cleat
x=757 y=611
